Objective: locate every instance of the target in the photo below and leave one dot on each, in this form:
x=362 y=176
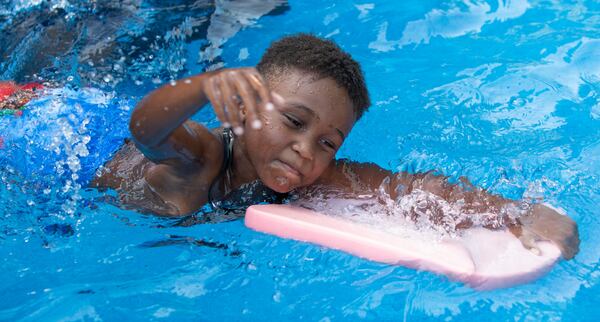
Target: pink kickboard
x=482 y=258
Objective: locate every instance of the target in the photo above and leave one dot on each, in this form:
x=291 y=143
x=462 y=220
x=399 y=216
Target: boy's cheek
x=267 y=119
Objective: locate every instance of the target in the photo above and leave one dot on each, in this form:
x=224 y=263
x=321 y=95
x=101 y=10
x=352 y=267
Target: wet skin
x=299 y=136
x=288 y=130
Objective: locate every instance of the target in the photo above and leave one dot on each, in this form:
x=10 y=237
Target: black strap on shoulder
x=228 y=137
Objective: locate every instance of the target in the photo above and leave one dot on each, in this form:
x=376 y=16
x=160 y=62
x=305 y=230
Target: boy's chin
x=279 y=184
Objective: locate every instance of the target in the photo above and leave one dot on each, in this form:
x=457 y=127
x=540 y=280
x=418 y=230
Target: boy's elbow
x=138 y=127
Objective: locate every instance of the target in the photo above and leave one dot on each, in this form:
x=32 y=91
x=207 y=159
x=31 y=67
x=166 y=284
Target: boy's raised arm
x=159 y=113
x=159 y=124
x=540 y=222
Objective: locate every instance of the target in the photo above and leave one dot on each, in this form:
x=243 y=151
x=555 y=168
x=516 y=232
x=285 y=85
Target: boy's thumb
x=528 y=239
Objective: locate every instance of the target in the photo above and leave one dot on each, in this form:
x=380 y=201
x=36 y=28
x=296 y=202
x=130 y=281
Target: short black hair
x=323 y=58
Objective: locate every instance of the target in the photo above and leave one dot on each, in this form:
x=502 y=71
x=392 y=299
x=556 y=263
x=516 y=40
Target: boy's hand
x=545 y=223
x=236 y=95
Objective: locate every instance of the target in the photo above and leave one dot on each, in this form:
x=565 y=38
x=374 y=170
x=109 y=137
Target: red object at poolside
x=31 y=86
x=7 y=89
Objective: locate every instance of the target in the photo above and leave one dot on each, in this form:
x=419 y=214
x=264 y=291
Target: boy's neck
x=242 y=170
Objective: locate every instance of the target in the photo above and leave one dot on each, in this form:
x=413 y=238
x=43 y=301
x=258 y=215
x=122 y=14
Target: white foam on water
x=419 y=214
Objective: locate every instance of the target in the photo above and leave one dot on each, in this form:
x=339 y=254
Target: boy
x=282 y=125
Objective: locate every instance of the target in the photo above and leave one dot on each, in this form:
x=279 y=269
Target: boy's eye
x=294 y=121
x=328 y=144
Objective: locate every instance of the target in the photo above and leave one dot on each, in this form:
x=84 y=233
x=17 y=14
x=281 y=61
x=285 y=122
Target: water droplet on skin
x=187 y=81
x=238 y=130
x=226 y=125
x=282 y=180
x=256 y=124
x=269 y=106
x=166 y=108
x=173 y=83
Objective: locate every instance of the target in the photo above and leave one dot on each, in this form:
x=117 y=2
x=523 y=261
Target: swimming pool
x=506 y=93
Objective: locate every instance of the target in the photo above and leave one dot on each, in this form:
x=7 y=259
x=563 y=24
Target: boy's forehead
x=296 y=81
x=321 y=95
x=285 y=75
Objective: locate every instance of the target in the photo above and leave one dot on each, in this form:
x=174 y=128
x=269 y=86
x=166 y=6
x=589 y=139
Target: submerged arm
x=538 y=222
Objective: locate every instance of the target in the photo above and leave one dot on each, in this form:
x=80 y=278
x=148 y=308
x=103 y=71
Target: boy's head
x=321 y=58
x=322 y=95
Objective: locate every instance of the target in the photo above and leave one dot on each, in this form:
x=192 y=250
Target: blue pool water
x=506 y=93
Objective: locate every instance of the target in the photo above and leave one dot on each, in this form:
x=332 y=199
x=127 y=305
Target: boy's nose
x=303 y=149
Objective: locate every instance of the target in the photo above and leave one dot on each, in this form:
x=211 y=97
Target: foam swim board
x=482 y=258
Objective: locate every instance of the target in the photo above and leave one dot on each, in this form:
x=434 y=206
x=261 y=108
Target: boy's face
x=299 y=139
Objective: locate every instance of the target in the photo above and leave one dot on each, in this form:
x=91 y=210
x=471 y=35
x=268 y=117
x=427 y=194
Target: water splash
x=52 y=151
x=416 y=211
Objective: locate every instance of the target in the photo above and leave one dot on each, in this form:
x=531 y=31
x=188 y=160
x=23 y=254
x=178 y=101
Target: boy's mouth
x=289 y=170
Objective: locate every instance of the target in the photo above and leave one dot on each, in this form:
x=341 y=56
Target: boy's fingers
x=214 y=95
x=260 y=86
x=249 y=98
x=528 y=240
x=277 y=99
x=231 y=104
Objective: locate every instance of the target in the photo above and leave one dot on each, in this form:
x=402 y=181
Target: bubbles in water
x=81 y=150
x=277 y=297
